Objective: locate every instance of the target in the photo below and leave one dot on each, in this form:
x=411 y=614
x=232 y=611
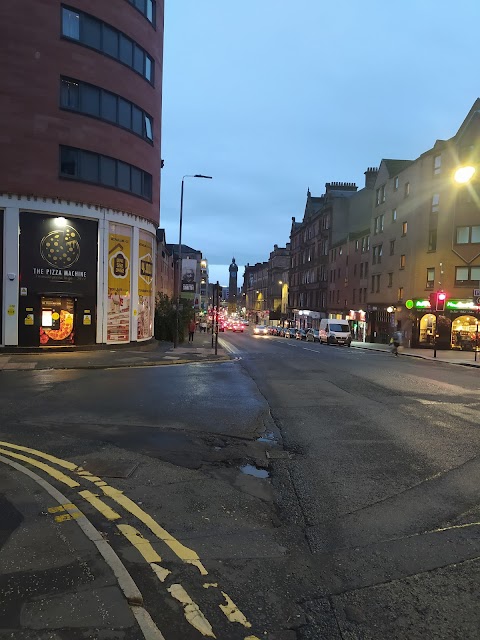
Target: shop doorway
x=57 y=325
x=427 y=329
x=465 y=333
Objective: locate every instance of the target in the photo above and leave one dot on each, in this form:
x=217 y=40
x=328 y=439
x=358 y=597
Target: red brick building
x=80 y=126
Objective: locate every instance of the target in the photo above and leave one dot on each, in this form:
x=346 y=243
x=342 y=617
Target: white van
x=335 y=332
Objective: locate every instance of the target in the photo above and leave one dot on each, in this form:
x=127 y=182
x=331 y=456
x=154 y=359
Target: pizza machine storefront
x=76 y=280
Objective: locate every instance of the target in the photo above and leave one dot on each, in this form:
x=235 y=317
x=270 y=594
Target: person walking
x=396 y=341
x=191 y=330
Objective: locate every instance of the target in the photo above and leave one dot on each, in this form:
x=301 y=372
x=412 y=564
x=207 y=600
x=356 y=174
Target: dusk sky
x=271 y=97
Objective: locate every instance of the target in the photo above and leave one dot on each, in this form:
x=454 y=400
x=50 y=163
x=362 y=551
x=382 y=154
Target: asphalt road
x=368 y=526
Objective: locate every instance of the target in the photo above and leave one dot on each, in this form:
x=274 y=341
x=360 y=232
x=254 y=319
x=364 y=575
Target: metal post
x=435 y=335
x=179 y=279
x=476 y=343
x=217 y=289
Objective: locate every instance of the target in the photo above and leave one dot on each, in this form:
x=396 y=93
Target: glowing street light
x=464 y=174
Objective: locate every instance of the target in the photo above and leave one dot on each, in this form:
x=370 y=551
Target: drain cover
x=110 y=468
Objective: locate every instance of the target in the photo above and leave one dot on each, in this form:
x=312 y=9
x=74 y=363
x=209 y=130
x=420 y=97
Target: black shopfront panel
x=1 y=275
x=58 y=260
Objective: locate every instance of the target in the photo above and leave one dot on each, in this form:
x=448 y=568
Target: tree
x=166 y=318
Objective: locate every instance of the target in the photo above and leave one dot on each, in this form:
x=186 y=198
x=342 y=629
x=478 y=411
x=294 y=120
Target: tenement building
x=425 y=237
x=79 y=171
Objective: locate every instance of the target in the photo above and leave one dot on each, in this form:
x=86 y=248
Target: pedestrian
x=191 y=330
x=396 y=341
x=203 y=326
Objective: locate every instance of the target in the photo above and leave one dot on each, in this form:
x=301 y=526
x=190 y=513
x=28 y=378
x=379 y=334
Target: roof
x=396 y=166
x=173 y=249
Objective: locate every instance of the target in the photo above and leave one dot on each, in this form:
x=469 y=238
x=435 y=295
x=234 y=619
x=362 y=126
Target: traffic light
x=441 y=299
x=437 y=301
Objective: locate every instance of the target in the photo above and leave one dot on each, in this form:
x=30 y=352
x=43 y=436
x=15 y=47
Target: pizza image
x=61 y=248
x=66 y=327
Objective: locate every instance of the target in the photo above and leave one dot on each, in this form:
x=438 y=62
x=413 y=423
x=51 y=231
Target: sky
x=272 y=97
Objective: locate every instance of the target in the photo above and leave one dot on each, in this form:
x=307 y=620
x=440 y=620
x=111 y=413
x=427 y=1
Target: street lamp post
x=179 y=278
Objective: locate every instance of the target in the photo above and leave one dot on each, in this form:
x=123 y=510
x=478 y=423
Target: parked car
x=335 y=332
x=290 y=333
x=300 y=334
x=313 y=335
x=271 y=330
x=260 y=330
x=281 y=332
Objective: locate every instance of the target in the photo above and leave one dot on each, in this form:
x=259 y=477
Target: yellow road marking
x=192 y=611
x=252 y=638
x=62 y=463
x=67 y=516
x=233 y=613
x=142 y=544
x=184 y=553
x=104 y=509
x=161 y=573
x=61 y=507
x=58 y=475
x=210 y=584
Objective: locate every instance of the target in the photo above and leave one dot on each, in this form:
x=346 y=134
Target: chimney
x=370 y=177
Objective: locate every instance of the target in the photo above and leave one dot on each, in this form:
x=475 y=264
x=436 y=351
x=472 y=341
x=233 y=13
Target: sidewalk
x=154 y=354
x=464 y=358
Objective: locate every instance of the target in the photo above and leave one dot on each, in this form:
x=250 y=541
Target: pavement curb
x=418 y=355
x=124 y=579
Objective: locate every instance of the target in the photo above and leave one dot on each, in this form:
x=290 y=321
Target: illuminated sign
x=450 y=304
x=460 y=304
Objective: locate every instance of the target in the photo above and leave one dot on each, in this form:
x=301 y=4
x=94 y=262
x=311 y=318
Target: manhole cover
x=110 y=468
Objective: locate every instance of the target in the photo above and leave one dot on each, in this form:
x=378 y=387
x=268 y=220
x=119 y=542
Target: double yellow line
x=192 y=611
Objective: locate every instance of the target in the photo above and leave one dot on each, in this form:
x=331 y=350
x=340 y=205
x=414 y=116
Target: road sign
x=476 y=293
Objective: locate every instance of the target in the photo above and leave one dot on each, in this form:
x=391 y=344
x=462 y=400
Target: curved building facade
x=80 y=133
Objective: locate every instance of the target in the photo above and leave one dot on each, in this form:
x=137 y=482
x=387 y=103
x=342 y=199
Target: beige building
x=425 y=237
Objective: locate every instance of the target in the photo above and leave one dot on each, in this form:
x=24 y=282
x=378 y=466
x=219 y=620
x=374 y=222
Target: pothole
x=251 y=470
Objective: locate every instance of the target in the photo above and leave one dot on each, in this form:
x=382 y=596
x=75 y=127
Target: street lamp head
x=199 y=175
x=464 y=174
x=280 y=282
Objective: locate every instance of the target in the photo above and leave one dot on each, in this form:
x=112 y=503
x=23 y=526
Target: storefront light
x=60 y=222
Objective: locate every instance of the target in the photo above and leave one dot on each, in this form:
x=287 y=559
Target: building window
x=435 y=202
x=361 y=270
x=394 y=215
x=400 y=294
x=378 y=283
x=356 y=245
x=373 y=285
x=430 y=278
x=390 y=279
x=95 y=101
x=380 y=193
x=437 y=165
x=403 y=261
x=468 y=235
x=354 y=269
x=360 y=295
x=404 y=228
x=375 y=225
x=366 y=269
x=407 y=189
x=381 y=222
x=392 y=247
x=432 y=240
x=94 y=168
x=98 y=35
x=377 y=253
x=467 y=276
x=71 y=24
x=395 y=183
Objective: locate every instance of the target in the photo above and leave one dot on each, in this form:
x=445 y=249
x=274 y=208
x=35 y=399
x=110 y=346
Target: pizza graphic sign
x=61 y=247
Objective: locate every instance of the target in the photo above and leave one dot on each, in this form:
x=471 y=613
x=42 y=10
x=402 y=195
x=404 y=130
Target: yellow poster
x=119 y=283
x=145 y=286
